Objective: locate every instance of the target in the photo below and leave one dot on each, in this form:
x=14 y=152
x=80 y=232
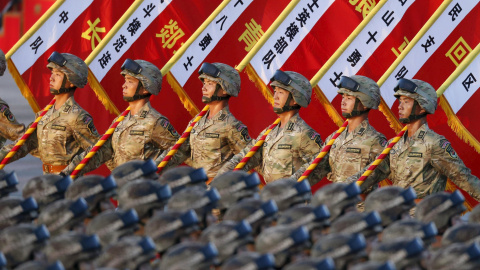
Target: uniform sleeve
x=254 y=161
x=164 y=135
x=103 y=154
x=446 y=160
x=85 y=132
x=30 y=145
x=180 y=156
x=9 y=127
x=238 y=137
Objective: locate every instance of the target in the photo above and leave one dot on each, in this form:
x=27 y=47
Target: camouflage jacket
x=9 y=127
x=349 y=154
x=283 y=152
x=61 y=134
x=424 y=162
x=144 y=135
x=212 y=143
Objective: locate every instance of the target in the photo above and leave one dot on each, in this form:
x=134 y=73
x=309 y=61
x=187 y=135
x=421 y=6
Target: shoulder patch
x=7 y=113
x=88 y=120
x=314 y=136
x=143 y=114
x=245 y=135
x=67 y=108
x=383 y=142
x=451 y=152
x=172 y=130
x=421 y=134
x=240 y=127
x=444 y=143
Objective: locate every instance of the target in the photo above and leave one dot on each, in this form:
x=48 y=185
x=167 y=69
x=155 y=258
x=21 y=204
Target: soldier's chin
x=54 y=91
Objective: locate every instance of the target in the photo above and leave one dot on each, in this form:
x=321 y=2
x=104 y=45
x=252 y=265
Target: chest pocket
x=132 y=142
x=57 y=135
x=279 y=159
x=211 y=140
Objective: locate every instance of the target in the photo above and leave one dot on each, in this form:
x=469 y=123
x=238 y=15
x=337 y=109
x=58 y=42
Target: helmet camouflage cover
x=302 y=92
x=229 y=79
x=425 y=95
x=150 y=76
x=368 y=93
x=75 y=69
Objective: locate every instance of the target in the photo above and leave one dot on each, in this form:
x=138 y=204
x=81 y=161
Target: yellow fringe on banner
x=184 y=98
x=394 y=123
x=457 y=125
x=336 y=118
x=24 y=89
x=101 y=94
x=253 y=76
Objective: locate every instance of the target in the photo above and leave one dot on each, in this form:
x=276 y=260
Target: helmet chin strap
x=215 y=96
x=137 y=96
x=62 y=89
x=412 y=115
x=286 y=107
x=355 y=111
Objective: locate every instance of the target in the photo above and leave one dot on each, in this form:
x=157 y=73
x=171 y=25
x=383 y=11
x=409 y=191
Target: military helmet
x=474 y=216
x=47 y=188
x=408 y=229
x=391 y=202
x=287 y=192
x=371 y=265
x=440 y=208
x=367 y=223
x=72 y=66
x=168 y=228
x=130 y=252
x=8 y=183
x=112 y=225
x=144 y=196
x=249 y=260
x=226 y=76
x=40 y=265
x=296 y=84
x=312 y=264
x=3 y=63
x=283 y=242
x=148 y=74
x=338 y=197
x=196 y=198
x=190 y=255
x=95 y=189
x=233 y=186
x=344 y=249
x=461 y=233
x=135 y=170
x=305 y=215
x=63 y=215
x=19 y=242
x=183 y=176
x=257 y=213
x=17 y=210
x=71 y=248
x=420 y=91
x=456 y=256
x=361 y=87
x=403 y=252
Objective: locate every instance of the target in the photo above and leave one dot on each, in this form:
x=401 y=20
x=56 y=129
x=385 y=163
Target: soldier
x=292 y=143
x=66 y=129
x=9 y=127
x=218 y=136
x=144 y=133
x=421 y=159
x=359 y=144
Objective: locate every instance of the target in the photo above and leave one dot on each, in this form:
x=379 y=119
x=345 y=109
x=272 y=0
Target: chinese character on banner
x=253 y=33
x=354 y=58
x=92 y=32
x=363 y=6
x=387 y=18
x=106 y=57
x=468 y=81
x=205 y=41
x=222 y=19
x=455 y=11
x=148 y=10
x=63 y=17
x=119 y=43
x=430 y=41
x=303 y=17
x=292 y=31
x=402 y=46
x=268 y=58
x=189 y=63
x=337 y=78
x=280 y=45
x=134 y=26
x=458 y=51
x=401 y=73
x=36 y=44
x=372 y=37
x=170 y=34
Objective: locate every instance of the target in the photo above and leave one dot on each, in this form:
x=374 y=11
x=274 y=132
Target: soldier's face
x=130 y=86
x=208 y=88
x=280 y=96
x=405 y=105
x=56 y=79
x=348 y=103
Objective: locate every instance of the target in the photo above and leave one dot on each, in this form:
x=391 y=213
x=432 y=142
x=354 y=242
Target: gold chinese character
x=93 y=29
x=251 y=35
x=460 y=50
x=363 y=6
x=170 y=34
x=402 y=46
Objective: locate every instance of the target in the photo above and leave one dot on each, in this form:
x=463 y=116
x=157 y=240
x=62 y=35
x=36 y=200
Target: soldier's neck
x=136 y=105
x=286 y=116
x=413 y=126
x=61 y=99
x=216 y=106
x=354 y=122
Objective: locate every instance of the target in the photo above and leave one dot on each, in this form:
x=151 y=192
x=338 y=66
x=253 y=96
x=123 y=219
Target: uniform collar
x=65 y=108
x=420 y=133
x=220 y=116
x=143 y=112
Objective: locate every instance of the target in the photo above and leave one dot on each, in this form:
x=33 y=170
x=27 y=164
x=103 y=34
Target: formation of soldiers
x=205 y=215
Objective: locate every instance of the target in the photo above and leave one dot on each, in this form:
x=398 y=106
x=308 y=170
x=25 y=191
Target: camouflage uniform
x=285 y=149
x=214 y=141
x=425 y=160
x=9 y=127
x=351 y=151
x=144 y=135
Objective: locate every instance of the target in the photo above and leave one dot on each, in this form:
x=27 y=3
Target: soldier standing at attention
x=292 y=143
x=66 y=129
x=144 y=133
x=359 y=144
x=218 y=136
x=9 y=127
x=422 y=159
